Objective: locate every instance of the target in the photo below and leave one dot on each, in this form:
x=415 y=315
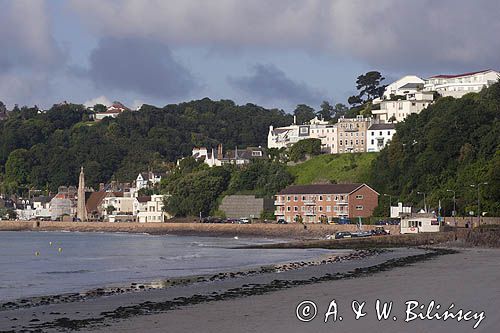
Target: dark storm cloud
x=139 y=65
x=269 y=83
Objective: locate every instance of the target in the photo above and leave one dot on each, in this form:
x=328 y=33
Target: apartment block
x=325 y=200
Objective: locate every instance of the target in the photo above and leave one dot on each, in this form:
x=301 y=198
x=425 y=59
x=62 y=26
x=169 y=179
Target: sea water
x=48 y=263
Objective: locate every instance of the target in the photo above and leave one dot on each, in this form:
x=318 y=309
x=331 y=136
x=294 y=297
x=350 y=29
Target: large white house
x=150 y=209
x=405 y=85
x=284 y=137
x=378 y=136
x=457 y=85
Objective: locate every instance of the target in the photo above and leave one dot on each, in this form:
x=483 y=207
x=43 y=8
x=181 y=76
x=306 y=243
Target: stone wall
x=235 y=206
x=473 y=221
x=199 y=229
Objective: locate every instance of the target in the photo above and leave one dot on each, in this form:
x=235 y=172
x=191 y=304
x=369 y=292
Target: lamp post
x=390 y=203
x=425 y=204
x=478 y=185
x=454 y=206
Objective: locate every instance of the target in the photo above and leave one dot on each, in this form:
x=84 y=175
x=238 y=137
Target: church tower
x=81 y=210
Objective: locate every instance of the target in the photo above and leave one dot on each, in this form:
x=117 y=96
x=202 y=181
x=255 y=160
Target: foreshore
x=91 y=311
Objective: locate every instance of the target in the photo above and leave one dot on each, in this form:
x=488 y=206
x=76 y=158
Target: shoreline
x=120 y=306
x=283 y=231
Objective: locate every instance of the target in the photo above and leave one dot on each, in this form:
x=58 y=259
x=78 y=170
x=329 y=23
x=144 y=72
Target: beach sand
x=267 y=302
x=468 y=279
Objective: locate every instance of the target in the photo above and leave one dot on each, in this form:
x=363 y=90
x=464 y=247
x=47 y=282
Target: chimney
x=219 y=151
x=295 y=120
x=101 y=186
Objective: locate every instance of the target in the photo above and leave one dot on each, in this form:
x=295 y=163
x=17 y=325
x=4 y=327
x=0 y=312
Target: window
x=295 y=198
x=328 y=198
x=357 y=142
x=288 y=198
x=388 y=132
x=359 y=196
x=320 y=208
x=303 y=208
x=303 y=198
x=336 y=198
x=373 y=142
x=295 y=209
x=303 y=130
x=380 y=133
x=328 y=209
x=288 y=209
x=320 y=198
x=362 y=142
x=359 y=207
x=256 y=153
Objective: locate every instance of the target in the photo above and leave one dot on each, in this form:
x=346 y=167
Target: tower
x=81 y=210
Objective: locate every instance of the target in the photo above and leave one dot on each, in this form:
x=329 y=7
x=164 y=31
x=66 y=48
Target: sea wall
x=207 y=229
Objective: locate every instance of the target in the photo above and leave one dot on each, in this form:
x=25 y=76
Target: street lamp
x=454 y=206
x=425 y=204
x=390 y=203
x=478 y=185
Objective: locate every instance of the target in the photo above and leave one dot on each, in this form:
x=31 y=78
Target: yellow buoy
x=59 y=249
x=50 y=243
x=37 y=253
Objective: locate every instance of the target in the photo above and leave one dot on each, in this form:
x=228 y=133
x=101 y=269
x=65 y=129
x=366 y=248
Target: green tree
x=299 y=150
x=304 y=113
x=326 y=111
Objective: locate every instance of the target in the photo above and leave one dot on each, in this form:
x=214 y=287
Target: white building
x=413 y=224
x=150 y=209
x=405 y=85
x=378 y=136
x=284 y=137
x=236 y=156
x=396 y=211
x=146 y=179
x=122 y=203
x=461 y=84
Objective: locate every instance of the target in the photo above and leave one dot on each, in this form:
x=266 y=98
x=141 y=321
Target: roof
x=42 y=198
x=94 y=200
x=411 y=85
x=382 y=127
x=450 y=76
x=320 y=189
x=144 y=198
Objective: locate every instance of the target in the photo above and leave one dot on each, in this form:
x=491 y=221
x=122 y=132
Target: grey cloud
x=393 y=35
x=270 y=84
x=139 y=65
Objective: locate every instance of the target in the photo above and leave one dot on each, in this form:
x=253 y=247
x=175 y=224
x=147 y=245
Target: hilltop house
x=457 y=85
x=378 y=136
x=112 y=111
x=150 y=209
x=325 y=200
x=236 y=156
x=146 y=179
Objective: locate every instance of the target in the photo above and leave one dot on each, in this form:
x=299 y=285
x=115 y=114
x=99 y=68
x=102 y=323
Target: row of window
x=357 y=142
x=380 y=133
x=352 y=134
x=327 y=209
x=319 y=197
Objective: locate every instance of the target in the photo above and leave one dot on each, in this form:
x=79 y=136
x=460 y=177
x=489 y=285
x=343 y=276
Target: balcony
x=342 y=202
x=310 y=213
x=279 y=203
x=279 y=213
x=309 y=202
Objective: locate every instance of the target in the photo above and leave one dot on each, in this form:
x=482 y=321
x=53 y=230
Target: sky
x=275 y=53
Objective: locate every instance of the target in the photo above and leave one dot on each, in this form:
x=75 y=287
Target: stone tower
x=81 y=210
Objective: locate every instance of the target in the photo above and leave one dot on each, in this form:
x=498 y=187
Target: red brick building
x=330 y=200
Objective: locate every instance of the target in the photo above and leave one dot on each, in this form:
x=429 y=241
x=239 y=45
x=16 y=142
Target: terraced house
x=328 y=200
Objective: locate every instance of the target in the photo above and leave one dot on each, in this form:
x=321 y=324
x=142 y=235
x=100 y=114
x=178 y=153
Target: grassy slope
x=338 y=168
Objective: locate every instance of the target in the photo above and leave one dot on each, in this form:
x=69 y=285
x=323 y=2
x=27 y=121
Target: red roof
x=450 y=76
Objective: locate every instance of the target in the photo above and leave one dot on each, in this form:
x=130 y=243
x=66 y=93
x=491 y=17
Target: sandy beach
x=266 y=301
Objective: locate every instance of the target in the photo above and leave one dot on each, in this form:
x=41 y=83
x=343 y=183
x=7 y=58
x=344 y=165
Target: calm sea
x=91 y=260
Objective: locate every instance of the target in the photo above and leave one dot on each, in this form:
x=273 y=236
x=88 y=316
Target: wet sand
x=259 y=301
x=469 y=279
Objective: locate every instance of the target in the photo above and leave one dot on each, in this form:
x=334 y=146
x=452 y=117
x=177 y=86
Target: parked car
x=342 y=234
x=282 y=221
x=379 y=231
x=243 y=220
x=361 y=234
x=344 y=221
